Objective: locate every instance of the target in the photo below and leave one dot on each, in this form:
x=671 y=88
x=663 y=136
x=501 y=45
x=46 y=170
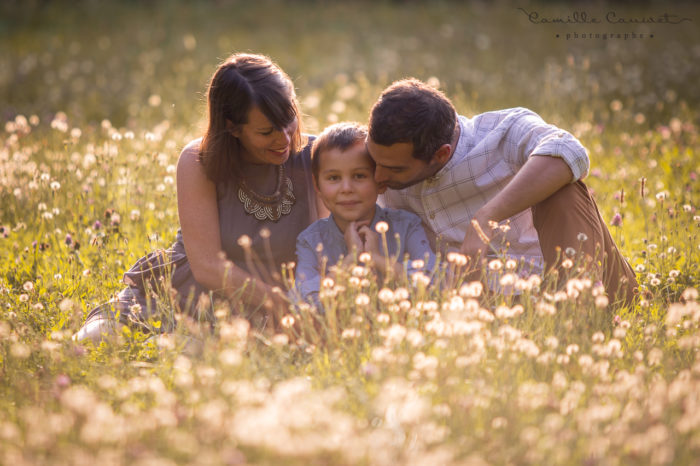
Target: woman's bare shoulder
x=191 y=150
x=189 y=165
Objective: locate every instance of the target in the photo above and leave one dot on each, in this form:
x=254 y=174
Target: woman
x=244 y=188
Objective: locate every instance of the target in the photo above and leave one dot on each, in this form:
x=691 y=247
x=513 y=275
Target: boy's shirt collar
x=379 y=215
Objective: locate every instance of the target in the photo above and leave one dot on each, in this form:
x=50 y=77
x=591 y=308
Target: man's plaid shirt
x=492 y=147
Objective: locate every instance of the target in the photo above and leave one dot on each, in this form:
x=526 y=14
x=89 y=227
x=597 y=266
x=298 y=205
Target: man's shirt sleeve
x=527 y=134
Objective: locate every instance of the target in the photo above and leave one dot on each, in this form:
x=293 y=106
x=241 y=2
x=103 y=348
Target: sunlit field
x=97 y=100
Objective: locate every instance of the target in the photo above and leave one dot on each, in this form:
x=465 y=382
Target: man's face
x=396 y=166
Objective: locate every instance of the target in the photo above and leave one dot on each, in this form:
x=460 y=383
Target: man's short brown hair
x=411 y=111
x=338 y=136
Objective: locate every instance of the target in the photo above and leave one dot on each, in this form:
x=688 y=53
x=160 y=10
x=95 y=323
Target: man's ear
x=442 y=155
x=235 y=130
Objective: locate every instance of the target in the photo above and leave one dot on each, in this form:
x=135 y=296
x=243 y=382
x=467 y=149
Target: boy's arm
x=417 y=245
x=308 y=274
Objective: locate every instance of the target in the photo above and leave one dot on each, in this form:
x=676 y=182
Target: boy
x=343 y=175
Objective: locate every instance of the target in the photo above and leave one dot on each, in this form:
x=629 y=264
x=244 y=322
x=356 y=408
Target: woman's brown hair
x=241 y=82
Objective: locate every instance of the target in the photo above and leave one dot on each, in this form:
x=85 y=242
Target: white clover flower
x=401 y=294
x=419 y=278
x=495 y=265
x=365 y=257
x=28 y=286
x=55 y=185
x=382 y=227
x=362 y=299
x=417 y=264
x=287 y=321
x=508 y=279
x=471 y=290
x=350 y=334
x=383 y=318
x=244 y=241
x=567 y=263
x=690 y=294
x=598 y=337
x=601 y=301
x=582 y=237
x=385 y=295
x=327 y=282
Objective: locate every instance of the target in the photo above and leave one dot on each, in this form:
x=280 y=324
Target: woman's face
x=263 y=143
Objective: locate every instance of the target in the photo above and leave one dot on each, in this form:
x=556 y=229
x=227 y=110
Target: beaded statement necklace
x=270 y=207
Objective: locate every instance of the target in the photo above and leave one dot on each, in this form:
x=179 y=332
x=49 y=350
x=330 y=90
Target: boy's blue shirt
x=408 y=226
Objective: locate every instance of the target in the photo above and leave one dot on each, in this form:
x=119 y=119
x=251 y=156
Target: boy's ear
x=315 y=184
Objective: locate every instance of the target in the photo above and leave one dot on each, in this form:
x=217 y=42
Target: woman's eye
x=266 y=133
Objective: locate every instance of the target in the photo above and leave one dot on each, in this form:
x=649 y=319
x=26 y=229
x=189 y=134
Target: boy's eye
x=332 y=177
x=361 y=175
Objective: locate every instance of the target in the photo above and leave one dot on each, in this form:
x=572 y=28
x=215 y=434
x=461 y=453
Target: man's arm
x=539 y=178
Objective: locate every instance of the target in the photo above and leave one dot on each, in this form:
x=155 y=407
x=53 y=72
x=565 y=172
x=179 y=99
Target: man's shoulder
x=398 y=216
x=502 y=114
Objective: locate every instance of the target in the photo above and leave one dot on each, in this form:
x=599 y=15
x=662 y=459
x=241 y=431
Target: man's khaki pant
x=560 y=218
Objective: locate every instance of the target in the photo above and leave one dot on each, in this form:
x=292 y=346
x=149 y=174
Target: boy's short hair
x=411 y=111
x=337 y=136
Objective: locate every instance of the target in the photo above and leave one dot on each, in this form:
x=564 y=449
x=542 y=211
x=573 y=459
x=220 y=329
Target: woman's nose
x=286 y=135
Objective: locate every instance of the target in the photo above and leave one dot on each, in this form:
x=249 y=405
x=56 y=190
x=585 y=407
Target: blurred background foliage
x=98 y=60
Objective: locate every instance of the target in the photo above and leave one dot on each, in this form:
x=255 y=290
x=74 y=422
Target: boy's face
x=346 y=184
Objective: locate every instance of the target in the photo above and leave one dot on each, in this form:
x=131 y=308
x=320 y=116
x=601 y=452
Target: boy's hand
x=371 y=240
x=353 y=238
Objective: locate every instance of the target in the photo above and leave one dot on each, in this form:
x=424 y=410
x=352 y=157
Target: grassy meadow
x=98 y=98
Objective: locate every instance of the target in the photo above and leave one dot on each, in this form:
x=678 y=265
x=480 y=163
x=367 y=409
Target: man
x=507 y=165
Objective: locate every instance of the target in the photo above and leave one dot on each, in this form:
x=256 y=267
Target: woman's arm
x=199 y=222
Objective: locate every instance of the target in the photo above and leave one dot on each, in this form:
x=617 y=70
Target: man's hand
x=476 y=242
